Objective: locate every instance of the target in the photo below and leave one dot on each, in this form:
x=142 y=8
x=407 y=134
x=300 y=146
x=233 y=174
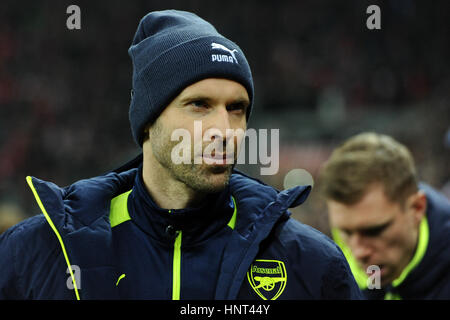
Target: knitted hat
x=172 y=50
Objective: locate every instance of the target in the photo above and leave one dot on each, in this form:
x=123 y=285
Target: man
x=389 y=226
x=160 y=228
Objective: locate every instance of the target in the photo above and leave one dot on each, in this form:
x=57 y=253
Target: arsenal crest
x=267 y=278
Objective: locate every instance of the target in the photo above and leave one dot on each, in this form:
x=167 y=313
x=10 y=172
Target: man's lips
x=218 y=158
x=381 y=266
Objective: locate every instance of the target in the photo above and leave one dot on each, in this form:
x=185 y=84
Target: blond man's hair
x=363 y=161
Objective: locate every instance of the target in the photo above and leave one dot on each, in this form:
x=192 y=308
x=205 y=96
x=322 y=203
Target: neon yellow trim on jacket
x=392 y=296
x=50 y=222
x=232 y=222
x=123 y=275
x=119 y=209
x=176 y=280
x=422 y=244
x=359 y=274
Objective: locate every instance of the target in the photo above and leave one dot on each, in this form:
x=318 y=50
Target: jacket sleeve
x=8 y=279
x=338 y=283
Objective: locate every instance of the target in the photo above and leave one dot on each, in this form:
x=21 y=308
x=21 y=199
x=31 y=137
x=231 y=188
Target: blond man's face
x=378 y=231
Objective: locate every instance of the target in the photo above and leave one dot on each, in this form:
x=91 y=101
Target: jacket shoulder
x=248 y=187
x=26 y=230
x=317 y=260
x=302 y=237
x=24 y=247
x=28 y=239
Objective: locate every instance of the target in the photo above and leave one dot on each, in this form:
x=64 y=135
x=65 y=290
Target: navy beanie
x=171 y=50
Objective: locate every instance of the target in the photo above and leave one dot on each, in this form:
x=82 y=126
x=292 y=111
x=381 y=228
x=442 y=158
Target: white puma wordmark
x=223 y=57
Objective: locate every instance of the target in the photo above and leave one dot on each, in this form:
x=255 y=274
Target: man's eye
x=373 y=232
x=199 y=104
x=345 y=233
x=238 y=107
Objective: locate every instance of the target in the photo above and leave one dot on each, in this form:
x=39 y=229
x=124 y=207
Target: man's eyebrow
x=376 y=227
x=242 y=100
x=190 y=98
x=369 y=228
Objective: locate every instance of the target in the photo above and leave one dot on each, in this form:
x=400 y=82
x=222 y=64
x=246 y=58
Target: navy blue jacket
x=104 y=238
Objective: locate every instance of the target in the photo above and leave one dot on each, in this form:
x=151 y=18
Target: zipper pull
x=171 y=231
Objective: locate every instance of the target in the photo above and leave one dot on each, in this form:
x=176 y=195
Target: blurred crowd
x=320 y=75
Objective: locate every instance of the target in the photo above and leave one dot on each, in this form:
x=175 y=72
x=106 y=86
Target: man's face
x=216 y=104
x=378 y=231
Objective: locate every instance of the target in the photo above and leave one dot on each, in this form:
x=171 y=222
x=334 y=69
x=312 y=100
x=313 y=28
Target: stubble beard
x=203 y=178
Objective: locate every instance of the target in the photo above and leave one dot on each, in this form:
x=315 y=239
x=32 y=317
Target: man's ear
x=418 y=204
x=146 y=134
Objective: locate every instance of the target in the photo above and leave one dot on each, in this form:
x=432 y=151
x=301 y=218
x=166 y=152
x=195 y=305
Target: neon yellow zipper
x=176 y=277
x=176 y=280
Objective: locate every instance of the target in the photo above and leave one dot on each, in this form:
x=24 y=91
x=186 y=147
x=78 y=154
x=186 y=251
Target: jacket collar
x=196 y=223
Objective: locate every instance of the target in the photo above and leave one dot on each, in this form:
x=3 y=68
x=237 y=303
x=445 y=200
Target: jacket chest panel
x=148 y=269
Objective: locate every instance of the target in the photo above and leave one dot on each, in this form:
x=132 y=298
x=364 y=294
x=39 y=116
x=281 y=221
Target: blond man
x=394 y=231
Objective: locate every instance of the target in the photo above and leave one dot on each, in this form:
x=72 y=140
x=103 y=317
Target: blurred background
x=320 y=76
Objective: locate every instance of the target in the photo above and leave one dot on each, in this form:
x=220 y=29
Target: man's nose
x=221 y=125
x=361 y=247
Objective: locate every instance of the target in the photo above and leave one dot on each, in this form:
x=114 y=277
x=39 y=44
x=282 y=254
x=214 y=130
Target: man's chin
x=213 y=178
x=386 y=275
x=220 y=169
x=203 y=178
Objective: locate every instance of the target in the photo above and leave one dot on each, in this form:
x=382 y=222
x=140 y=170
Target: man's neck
x=165 y=190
